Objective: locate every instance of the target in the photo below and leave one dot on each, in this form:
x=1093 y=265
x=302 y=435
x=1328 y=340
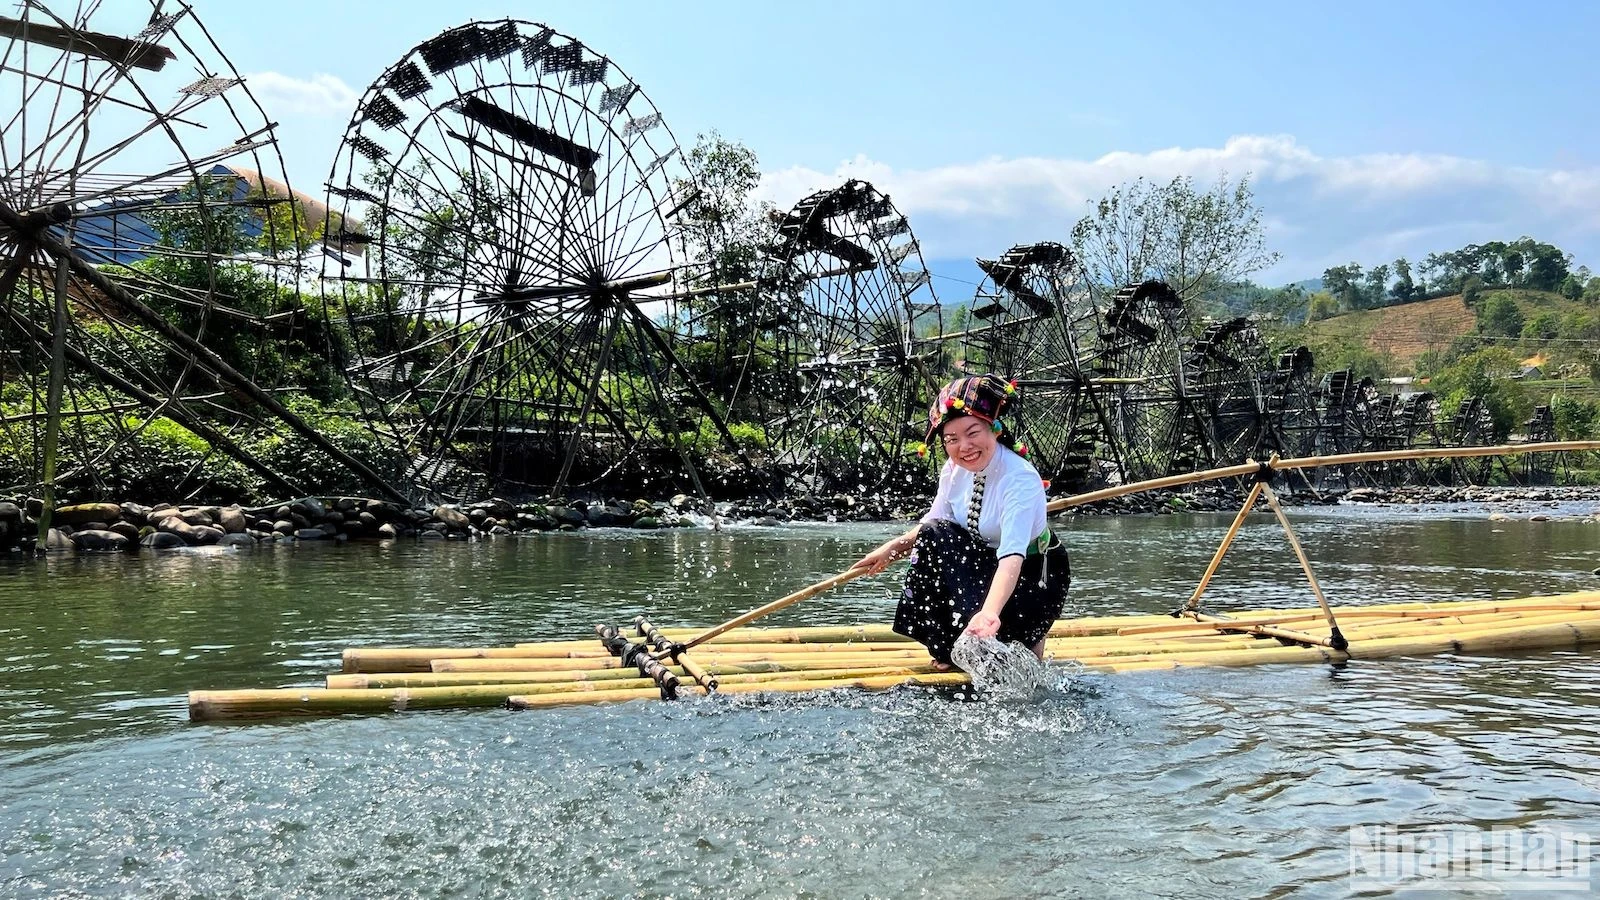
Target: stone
x=177 y=526
x=133 y=512
x=263 y=525
x=353 y=528
x=284 y=527
x=208 y=534
x=231 y=518
x=196 y=517
x=311 y=534
x=237 y=539
x=56 y=539
x=566 y=515
x=477 y=515
x=162 y=540
x=126 y=529
x=300 y=520
x=328 y=528
x=647 y=522
x=388 y=532
x=93 y=540
x=314 y=508
x=282 y=512
x=679 y=501
x=84 y=513
x=768 y=522
x=453 y=518
x=499 y=529
x=367 y=520
x=431 y=534
x=347 y=504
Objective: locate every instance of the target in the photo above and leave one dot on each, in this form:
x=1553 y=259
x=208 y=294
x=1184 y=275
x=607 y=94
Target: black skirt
x=951 y=569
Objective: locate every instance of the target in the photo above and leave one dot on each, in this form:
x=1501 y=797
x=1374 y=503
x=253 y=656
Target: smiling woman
x=983 y=559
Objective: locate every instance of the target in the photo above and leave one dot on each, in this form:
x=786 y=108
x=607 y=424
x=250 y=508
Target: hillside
x=1402 y=332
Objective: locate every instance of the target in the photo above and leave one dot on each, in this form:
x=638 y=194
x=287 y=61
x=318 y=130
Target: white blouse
x=1013 y=511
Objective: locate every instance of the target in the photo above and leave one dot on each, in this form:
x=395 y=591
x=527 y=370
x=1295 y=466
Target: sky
x=1369 y=130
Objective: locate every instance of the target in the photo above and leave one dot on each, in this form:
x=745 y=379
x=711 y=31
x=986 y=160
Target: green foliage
x=1197 y=240
x=310 y=466
x=1541 y=327
x=1472 y=291
x=1500 y=316
x=1323 y=306
x=1486 y=373
x=1336 y=352
x=1575 y=419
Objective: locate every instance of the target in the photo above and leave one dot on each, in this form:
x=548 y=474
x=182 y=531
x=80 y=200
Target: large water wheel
x=860 y=340
x=152 y=254
x=514 y=293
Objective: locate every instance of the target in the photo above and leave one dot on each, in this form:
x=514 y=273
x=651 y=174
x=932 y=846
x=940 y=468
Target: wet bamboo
x=774 y=606
x=1336 y=640
x=876 y=683
x=551 y=665
x=607 y=676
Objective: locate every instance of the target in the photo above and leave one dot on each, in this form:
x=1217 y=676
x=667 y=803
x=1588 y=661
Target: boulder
x=431 y=534
x=57 y=539
x=231 y=518
x=566 y=515
x=367 y=520
x=177 y=526
x=388 y=532
x=126 y=529
x=94 y=540
x=314 y=508
x=284 y=527
x=208 y=534
x=647 y=522
x=237 y=539
x=499 y=529
x=84 y=513
x=453 y=518
x=333 y=517
x=328 y=528
x=162 y=540
x=197 y=517
x=311 y=534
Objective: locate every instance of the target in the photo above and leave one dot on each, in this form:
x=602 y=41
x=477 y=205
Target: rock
x=347 y=504
x=453 y=518
x=237 y=540
x=58 y=539
x=353 y=528
x=127 y=530
x=208 y=534
x=84 y=513
x=328 y=528
x=769 y=522
x=97 y=541
x=647 y=522
x=311 y=534
x=609 y=516
x=92 y=526
x=499 y=529
x=431 y=534
x=162 y=540
x=477 y=515
x=566 y=515
x=177 y=526
x=367 y=520
x=284 y=527
x=196 y=517
x=1539 y=518
x=133 y=512
x=262 y=525
x=231 y=518
x=283 y=512
x=388 y=531
x=314 y=508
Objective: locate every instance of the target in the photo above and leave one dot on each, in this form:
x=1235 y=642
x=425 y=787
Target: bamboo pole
x=1336 y=640
x=552 y=665
x=1193 y=603
x=871 y=683
x=804 y=593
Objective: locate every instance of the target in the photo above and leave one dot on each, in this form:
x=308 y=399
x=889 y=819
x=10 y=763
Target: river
x=1255 y=782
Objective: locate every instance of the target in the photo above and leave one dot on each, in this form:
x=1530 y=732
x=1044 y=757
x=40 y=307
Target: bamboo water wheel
x=515 y=295
x=859 y=340
x=152 y=253
x=1031 y=323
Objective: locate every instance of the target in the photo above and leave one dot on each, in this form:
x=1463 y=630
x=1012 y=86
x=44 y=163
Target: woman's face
x=970 y=442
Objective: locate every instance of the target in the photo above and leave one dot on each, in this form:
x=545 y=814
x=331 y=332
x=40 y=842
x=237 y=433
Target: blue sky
x=1371 y=129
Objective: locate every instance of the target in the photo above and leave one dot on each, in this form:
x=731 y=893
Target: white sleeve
x=1023 y=517
x=941 y=508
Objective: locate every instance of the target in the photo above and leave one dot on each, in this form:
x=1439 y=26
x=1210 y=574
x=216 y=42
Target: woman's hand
x=877 y=560
x=984 y=625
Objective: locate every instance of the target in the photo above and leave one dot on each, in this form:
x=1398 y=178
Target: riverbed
x=1189 y=783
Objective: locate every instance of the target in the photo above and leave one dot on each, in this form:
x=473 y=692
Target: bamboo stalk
x=1193 y=603
x=871 y=683
x=548 y=665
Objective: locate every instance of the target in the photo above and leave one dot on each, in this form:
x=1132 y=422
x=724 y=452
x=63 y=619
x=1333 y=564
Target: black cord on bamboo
x=1337 y=640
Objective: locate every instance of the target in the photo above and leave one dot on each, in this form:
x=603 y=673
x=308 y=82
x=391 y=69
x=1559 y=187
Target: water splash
x=1001 y=668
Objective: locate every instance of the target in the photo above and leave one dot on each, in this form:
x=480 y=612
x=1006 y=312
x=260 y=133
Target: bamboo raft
x=644 y=662
x=787 y=660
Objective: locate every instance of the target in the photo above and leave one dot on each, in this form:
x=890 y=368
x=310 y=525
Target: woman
x=982 y=559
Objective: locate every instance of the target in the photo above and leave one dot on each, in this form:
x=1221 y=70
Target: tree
x=1404 y=288
x=1547 y=266
x=1471 y=290
x=1196 y=241
x=1571 y=287
x=1344 y=283
x=1322 y=306
x=1501 y=317
x=1375 y=288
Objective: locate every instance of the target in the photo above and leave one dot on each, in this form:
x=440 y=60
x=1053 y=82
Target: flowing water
x=1193 y=783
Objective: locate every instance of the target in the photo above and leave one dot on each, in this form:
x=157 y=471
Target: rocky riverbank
x=108 y=527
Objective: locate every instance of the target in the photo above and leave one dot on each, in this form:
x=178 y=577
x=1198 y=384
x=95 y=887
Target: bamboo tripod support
x=1191 y=607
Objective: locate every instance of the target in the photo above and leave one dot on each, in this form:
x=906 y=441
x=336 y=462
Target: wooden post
x=52 y=425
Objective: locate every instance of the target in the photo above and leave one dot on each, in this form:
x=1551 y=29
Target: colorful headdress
x=981 y=396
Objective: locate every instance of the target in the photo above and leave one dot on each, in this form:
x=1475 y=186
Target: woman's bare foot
x=941 y=666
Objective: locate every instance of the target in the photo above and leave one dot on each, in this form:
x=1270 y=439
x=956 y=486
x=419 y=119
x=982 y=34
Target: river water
x=1193 y=783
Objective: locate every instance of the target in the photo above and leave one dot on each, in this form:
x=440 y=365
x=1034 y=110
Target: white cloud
x=1319 y=211
x=285 y=95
